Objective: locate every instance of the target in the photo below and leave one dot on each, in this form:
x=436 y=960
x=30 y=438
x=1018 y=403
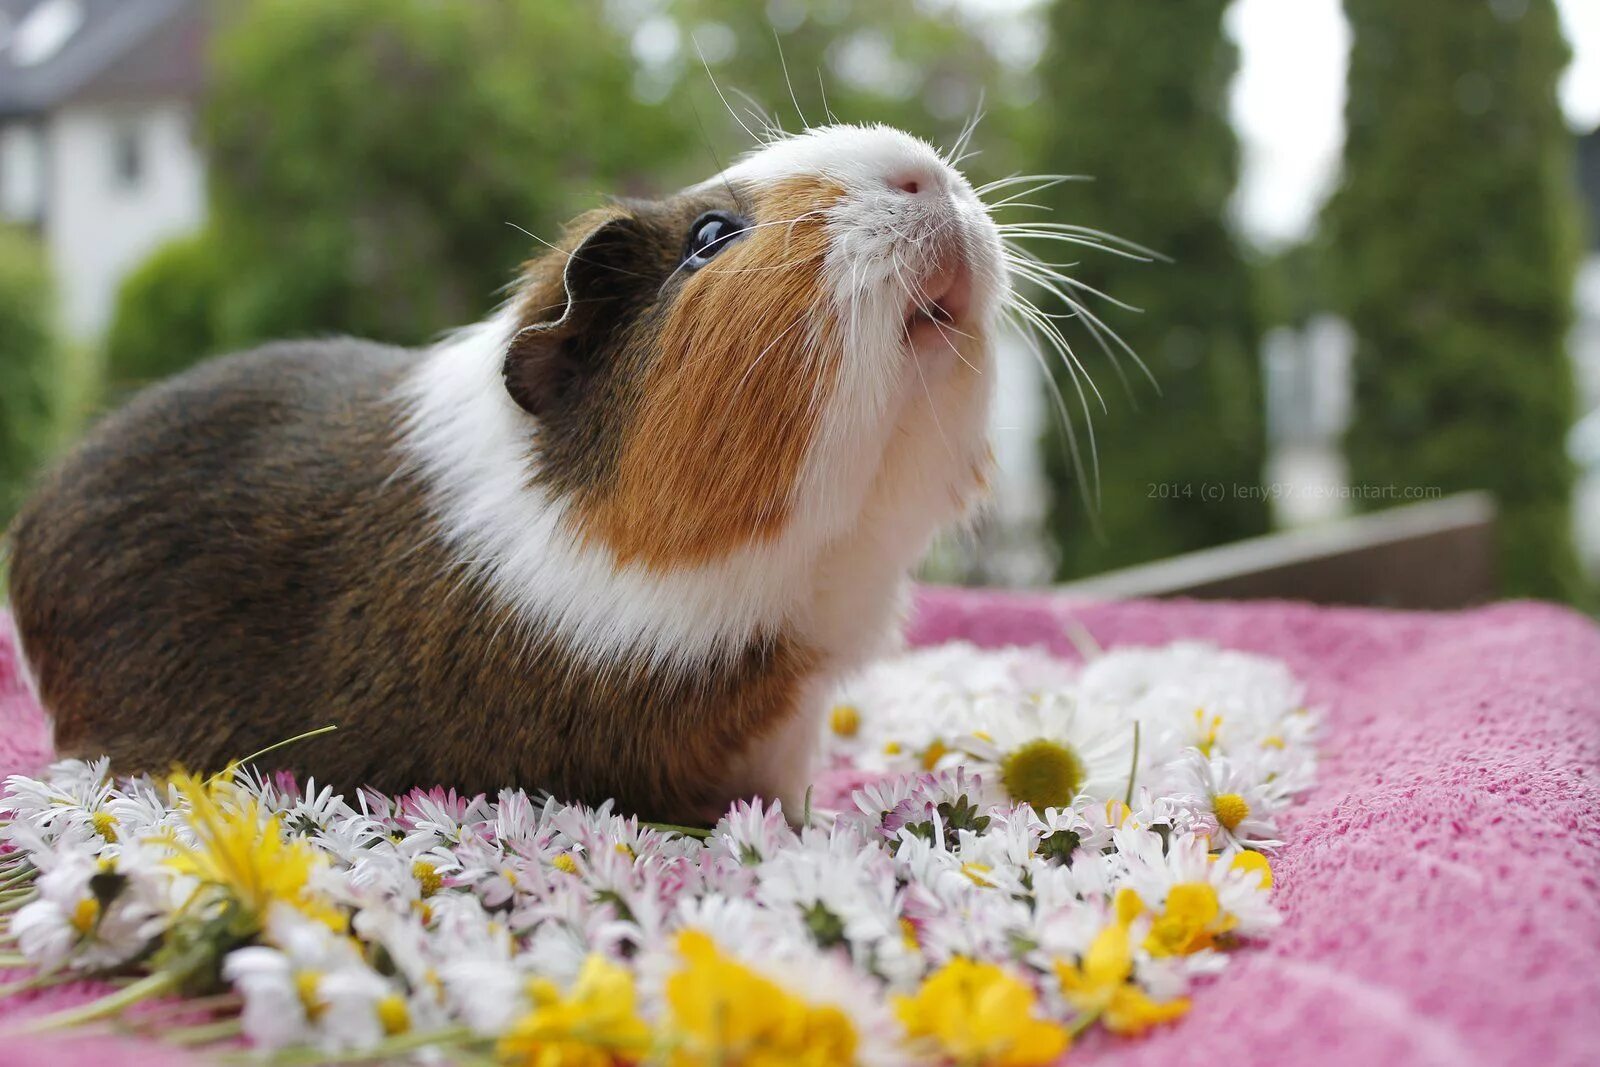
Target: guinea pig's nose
x=915 y=182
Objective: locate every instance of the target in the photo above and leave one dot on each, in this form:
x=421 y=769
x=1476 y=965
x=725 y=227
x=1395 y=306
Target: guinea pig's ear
x=572 y=307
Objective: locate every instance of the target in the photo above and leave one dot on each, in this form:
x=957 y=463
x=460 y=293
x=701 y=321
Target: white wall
x=98 y=228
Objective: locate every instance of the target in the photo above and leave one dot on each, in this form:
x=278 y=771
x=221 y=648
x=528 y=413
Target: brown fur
x=731 y=399
x=236 y=557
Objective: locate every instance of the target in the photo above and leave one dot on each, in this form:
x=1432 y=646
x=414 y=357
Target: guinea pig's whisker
x=1087 y=231
x=958 y=151
x=1034 y=321
x=933 y=409
x=783 y=63
x=572 y=256
x=787 y=265
x=718 y=90
x=1024 y=266
x=1025 y=231
x=763 y=354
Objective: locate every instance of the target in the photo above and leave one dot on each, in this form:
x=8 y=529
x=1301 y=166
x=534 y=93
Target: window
x=21 y=173
x=127 y=156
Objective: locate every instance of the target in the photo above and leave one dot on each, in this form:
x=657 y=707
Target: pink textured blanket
x=1440 y=886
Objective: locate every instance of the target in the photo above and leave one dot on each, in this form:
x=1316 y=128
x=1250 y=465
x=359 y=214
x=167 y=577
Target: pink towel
x=1440 y=885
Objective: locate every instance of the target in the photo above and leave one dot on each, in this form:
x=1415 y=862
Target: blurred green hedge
x=165 y=316
x=382 y=188
x=28 y=364
x=1452 y=246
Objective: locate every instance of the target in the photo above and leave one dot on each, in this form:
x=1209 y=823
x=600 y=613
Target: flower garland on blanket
x=1040 y=849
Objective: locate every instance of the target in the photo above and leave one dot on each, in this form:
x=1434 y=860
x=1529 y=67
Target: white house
x=97 y=102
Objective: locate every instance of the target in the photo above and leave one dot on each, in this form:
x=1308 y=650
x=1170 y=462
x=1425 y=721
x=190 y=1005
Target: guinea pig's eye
x=710 y=234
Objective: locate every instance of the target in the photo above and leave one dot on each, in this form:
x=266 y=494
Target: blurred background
x=1382 y=289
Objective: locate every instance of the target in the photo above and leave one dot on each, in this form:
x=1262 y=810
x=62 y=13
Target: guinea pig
x=621 y=539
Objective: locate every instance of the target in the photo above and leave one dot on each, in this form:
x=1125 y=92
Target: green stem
x=216 y=1002
x=202 y=1033
x=1133 y=770
x=296 y=739
x=16 y=903
x=13 y=959
x=152 y=985
x=27 y=874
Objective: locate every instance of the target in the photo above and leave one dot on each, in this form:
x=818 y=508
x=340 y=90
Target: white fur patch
x=894 y=457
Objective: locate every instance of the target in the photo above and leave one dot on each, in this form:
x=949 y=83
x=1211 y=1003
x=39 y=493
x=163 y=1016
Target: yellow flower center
x=85 y=914
x=845 y=720
x=305 y=986
x=105 y=824
x=1272 y=741
x=566 y=863
x=1045 y=774
x=393 y=1014
x=1231 y=809
x=933 y=754
x=976 y=871
x=908 y=932
x=427 y=877
x=1208 y=730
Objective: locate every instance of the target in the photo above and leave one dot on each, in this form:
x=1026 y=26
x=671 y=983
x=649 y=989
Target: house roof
x=55 y=51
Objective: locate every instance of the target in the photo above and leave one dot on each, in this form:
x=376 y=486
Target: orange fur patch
x=732 y=400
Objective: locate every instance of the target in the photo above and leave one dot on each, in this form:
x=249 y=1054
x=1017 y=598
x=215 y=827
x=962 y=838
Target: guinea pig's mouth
x=939 y=306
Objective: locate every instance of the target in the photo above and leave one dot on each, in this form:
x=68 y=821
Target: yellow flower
x=976 y=1014
x=1190 y=922
x=722 y=1012
x=1254 y=861
x=594 y=1024
x=245 y=855
x=1099 y=988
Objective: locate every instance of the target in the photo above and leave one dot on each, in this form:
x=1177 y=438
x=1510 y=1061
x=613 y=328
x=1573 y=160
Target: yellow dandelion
x=1192 y=920
x=244 y=854
x=976 y=1013
x=1100 y=987
x=594 y=1024
x=1254 y=861
x=722 y=1012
